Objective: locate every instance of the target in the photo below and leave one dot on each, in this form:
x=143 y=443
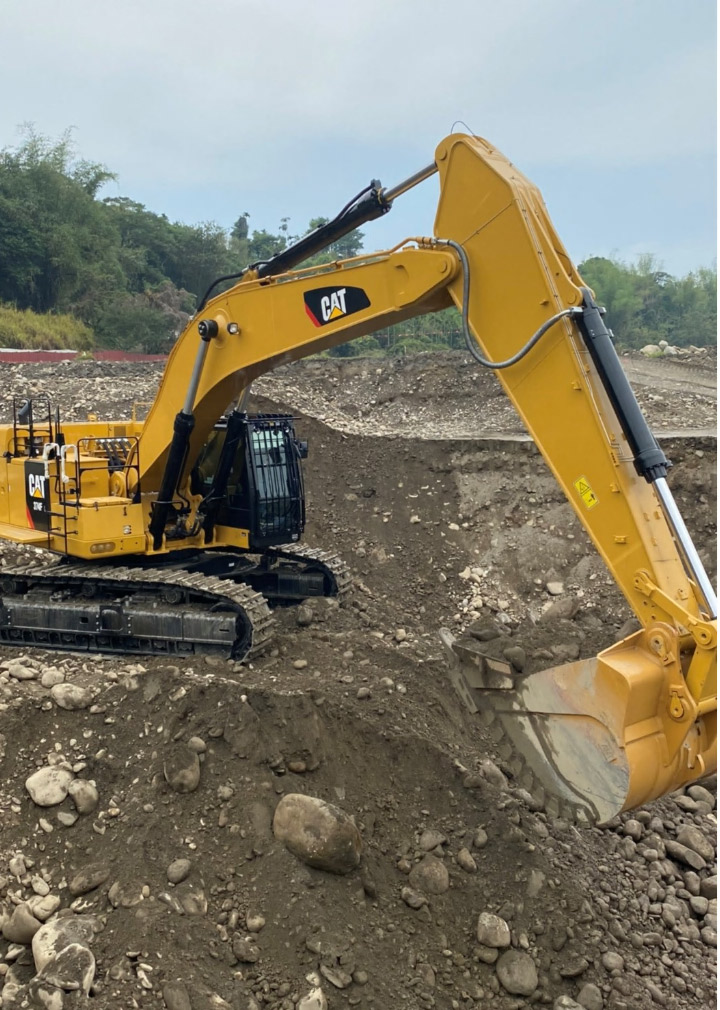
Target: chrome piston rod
x=687 y=548
x=388 y=195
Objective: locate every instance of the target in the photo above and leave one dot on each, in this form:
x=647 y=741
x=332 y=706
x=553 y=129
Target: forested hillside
x=78 y=269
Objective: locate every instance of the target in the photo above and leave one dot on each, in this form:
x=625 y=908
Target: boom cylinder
x=215 y=496
x=182 y=429
x=650 y=461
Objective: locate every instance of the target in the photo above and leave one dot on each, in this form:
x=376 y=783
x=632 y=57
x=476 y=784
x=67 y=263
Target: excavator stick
x=594 y=737
x=606 y=734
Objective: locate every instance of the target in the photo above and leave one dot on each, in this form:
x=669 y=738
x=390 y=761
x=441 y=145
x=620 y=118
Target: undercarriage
x=200 y=602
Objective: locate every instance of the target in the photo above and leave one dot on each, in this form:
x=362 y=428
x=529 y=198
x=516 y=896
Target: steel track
x=137 y=610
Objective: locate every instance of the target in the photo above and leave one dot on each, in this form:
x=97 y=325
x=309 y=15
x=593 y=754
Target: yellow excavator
x=173 y=532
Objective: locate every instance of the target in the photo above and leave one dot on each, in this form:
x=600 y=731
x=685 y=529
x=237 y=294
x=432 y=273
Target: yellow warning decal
x=589 y=498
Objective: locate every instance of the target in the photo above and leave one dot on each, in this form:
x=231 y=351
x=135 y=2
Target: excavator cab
x=263 y=486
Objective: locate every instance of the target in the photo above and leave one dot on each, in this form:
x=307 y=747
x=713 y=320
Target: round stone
x=182 y=769
x=317 y=832
x=590 y=997
x=49 y=786
x=492 y=931
x=245 y=950
x=517 y=973
x=612 y=961
x=20 y=672
x=430 y=839
x=84 y=795
x=430 y=875
x=21 y=926
x=71 y=697
x=88 y=879
x=51 y=677
x=43 y=907
x=178 y=870
x=40 y=886
x=465 y=861
x=693 y=838
x=176 y=996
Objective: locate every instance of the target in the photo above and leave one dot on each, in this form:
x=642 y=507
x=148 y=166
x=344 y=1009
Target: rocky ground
x=329 y=827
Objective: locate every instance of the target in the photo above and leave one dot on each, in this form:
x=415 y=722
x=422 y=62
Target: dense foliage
x=114 y=269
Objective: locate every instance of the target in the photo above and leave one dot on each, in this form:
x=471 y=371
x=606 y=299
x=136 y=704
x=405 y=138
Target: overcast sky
x=288 y=107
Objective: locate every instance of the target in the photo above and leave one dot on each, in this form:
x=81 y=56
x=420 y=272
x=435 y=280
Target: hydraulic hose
x=470 y=339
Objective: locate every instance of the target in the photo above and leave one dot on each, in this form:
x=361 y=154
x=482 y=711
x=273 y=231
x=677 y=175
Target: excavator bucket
x=594 y=737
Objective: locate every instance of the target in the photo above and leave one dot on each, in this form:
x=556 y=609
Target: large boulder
x=22 y=925
x=517 y=973
x=56 y=935
x=492 y=931
x=317 y=832
x=49 y=786
x=72 y=969
x=430 y=875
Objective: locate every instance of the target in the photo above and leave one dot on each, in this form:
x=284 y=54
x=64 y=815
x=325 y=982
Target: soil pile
x=144 y=857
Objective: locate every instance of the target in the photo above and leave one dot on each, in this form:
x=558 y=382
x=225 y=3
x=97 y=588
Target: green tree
x=645 y=304
x=342 y=249
x=263 y=245
x=148 y=242
x=201 y=254
x=56 y=246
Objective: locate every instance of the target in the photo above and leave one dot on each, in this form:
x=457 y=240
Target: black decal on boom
x=326 y=305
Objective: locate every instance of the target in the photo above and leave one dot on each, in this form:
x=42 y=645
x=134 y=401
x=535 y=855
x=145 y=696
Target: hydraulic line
x=470 y=339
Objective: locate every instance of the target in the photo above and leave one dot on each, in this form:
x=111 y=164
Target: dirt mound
x=248 y=922
x=160 y=852
x=446 y=395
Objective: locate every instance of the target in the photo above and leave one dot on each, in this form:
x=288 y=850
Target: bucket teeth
x=492 y=692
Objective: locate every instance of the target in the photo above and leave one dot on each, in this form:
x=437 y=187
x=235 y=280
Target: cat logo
x=332 y=306
x=327 y=305
x=36 y=485
x=37 y=495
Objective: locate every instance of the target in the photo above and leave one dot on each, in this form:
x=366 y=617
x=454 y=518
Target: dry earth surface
x=151 y=847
